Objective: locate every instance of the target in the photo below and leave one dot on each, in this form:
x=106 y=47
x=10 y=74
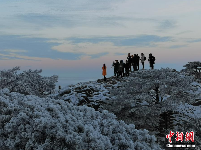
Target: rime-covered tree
x=192 y=69
x=135 y=99
x=189 y=68
x=31 y=122
x=27 y=82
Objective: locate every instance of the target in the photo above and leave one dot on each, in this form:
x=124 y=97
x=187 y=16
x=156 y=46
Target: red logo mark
x=169 y=136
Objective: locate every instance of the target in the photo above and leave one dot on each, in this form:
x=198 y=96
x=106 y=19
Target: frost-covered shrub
x=189 y=68
x=141 y=87
x=135 y=100
x=31 y=122
x=187 y=119
x=27 y=82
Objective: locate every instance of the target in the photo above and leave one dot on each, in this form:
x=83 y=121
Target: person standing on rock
x=115 y=64
x=135 y=62
x=132 y=62
x=151 y=61
x=117 y=68
x=104 y=72
x=127 y=68
x=121 y=67
x=129 y=61
x=138 y=61
x=143 y=58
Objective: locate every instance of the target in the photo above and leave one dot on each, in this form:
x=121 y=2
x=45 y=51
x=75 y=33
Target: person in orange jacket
x=104 y=71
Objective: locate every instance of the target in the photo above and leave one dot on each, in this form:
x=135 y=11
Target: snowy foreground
x=43 y=123
x=117 y=114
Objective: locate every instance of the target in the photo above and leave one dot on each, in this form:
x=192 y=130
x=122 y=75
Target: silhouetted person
x=127 y=68
x=113 y=64
x=121 y=67
x=151 y=61
x=137 y=61
x=104 y=72
x=132 y=62
x=129 y=61
x=143 y=58
x=115 y=67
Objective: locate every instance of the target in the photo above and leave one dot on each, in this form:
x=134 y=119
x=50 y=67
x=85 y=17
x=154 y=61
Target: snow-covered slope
x=133 y=99
x=62 y=120
x=30 y=122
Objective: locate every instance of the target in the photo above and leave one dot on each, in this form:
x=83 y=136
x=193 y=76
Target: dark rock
x=68 y=100
x=82 y=102
x=100 y=80
x=68 y=91
x=197 y=103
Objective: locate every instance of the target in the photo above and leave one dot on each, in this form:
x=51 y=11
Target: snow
x=189 y=110
x=31 y=121
x=63 y=119
x=165 y=97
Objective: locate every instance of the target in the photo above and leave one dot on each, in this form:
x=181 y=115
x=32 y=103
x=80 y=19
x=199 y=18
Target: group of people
x=123 y=69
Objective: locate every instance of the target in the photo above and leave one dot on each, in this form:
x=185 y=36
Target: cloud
x=177 y=46
x=138 y=41
x=14 y=51
x=98 y=55
x=79 y=5
x=72 y=20
x=90 y=13
x=32 y=47
x=66 y=14
x=119 y=54
x=15 y=56
x=41 y=21
x=166 y=25
x=19 y=47
x=194 y=40
x=184 y=32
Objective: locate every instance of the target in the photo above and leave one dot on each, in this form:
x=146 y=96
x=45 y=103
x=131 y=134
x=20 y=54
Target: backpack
x=144 y=58
x=121 y=66
x=153 y=58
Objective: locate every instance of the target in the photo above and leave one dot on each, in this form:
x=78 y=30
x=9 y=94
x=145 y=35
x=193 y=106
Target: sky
x=73 y=39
